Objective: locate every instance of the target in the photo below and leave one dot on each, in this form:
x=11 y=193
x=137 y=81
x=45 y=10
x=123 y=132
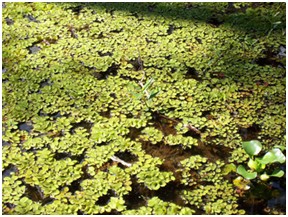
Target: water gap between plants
x=267 y=198
x=262 y=199
x=171 y=156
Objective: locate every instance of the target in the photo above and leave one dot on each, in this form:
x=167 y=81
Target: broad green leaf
x=275 y=155
x=243 y=172
x=281 y=147
x=252 y=147
x=277 y=173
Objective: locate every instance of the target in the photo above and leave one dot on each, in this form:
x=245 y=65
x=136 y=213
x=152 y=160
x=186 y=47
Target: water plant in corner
x=260 y=165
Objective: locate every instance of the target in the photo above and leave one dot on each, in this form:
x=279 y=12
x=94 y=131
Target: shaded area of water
x=250 y=133
x=127 y=156
x=34 y=193
x=85 y=124
x=104 y=200
x=8 y=170
x=27 y=126
x=265 y=198
x=136 y=197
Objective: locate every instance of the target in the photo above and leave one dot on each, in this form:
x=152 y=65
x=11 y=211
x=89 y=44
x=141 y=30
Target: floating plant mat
x=138 y=108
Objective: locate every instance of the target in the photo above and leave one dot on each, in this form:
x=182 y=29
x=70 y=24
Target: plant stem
x=117 y=159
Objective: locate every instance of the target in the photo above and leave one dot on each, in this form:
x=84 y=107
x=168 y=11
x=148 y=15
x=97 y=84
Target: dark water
x=7 y=172
x=25 y=127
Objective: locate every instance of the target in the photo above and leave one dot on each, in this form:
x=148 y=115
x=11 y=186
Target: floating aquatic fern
x=65 y=64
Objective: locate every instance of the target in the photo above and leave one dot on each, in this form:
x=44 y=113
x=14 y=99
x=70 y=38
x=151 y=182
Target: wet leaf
x=252 y=147
x=275 y=155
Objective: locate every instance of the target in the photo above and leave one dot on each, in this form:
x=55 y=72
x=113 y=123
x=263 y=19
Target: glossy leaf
x=275 y=155
x=252 y=147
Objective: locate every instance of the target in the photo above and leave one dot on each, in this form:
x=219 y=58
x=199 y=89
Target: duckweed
x=70 y=116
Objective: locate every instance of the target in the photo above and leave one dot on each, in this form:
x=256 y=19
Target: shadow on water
x=34 y=193
x=104 y=200
x=171 y=155
x=230 y=15
x=84 y=124
x=27 y=126
x=8 y=170
x=250 y=133
x=265 y=198
x=127 y=156
x=136 y=198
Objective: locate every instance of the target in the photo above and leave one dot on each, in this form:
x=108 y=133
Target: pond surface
x=140 y=108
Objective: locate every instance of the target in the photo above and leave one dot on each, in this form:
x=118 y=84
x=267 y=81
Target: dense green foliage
x=259 y=164
x=74 y=132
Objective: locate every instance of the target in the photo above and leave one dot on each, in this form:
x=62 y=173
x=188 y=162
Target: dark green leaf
x=153 y=94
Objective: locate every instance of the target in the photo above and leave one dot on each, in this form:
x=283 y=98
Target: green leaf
x=252 y=164
x=243 y=172
x=137 y=95
x=281 y=147
x=153 y=94
x=148 y=84
x=275 y=155
x=229 y=168
x=153 y=201
x=277 y=173
x=252 y=147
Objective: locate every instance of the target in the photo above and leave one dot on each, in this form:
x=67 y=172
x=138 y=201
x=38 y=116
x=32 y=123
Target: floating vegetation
x=142 y=108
